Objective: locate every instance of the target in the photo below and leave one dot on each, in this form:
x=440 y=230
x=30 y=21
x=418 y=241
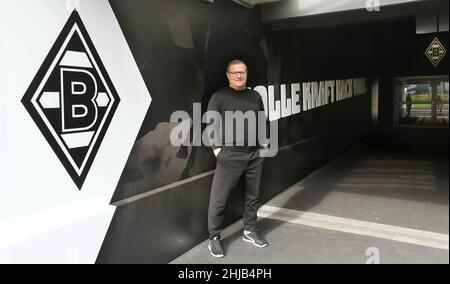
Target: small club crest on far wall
x=435 y=52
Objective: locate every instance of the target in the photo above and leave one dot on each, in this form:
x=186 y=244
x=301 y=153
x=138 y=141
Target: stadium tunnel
x=359 y=91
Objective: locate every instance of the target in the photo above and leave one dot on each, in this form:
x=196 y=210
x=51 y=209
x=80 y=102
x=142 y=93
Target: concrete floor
x=372 y=204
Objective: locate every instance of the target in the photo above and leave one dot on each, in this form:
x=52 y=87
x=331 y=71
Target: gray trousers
x=231 y=164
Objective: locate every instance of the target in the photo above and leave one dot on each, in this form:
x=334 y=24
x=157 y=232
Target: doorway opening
x=421 y=101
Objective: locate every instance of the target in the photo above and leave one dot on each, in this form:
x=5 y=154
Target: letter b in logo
x=78 y=94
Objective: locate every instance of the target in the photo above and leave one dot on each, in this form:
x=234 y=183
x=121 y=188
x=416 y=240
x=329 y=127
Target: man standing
x=233 y=161
x=408 y=104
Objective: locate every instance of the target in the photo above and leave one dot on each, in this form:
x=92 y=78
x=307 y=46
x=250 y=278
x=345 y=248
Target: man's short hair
x=235 y=61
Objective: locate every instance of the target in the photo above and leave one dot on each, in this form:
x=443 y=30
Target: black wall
x=399 y=52
x=181 y=48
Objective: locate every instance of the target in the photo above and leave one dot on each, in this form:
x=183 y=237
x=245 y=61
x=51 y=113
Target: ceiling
x=251 y=3
x=297 y=14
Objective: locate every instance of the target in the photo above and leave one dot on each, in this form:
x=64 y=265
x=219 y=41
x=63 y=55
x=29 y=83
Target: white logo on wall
x=435 y=52
x=72 y=99
x=298 y=97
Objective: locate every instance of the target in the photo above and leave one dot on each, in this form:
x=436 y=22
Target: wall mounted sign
x=72 y=99
x=435 y=52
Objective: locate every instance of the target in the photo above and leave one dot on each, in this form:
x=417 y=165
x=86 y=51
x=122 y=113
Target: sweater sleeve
x=264 y=142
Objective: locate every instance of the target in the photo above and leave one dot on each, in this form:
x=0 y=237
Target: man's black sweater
x=231 y=100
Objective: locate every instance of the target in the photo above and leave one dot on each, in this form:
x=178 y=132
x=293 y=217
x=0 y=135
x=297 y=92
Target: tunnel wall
x=71 y=104
x=181 y=48
x=400 y=52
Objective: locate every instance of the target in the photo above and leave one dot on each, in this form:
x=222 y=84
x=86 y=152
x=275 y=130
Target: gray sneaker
x=215 y=248
x=252 y=237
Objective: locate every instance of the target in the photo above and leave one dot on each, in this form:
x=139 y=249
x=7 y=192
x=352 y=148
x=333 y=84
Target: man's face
x=237 y=76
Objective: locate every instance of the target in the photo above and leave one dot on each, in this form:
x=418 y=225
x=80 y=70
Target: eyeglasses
x=235 y=73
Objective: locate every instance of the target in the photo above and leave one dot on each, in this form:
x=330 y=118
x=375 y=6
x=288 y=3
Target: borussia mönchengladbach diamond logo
x=435 y=52
x=72 y=99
